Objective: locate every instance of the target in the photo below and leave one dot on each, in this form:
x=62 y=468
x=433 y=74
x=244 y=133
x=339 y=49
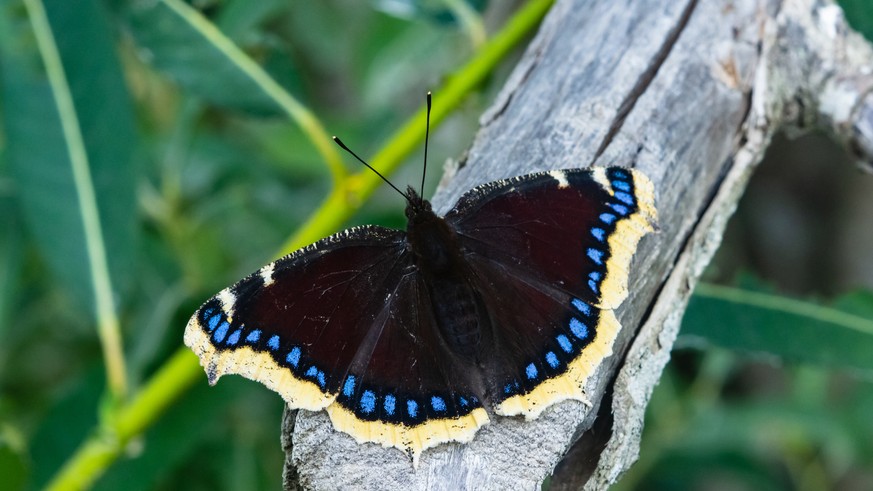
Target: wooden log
x=690 y=93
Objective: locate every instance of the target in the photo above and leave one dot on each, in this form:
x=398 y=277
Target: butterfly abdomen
x=457 y=314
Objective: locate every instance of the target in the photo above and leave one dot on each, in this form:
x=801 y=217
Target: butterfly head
x=415 y=204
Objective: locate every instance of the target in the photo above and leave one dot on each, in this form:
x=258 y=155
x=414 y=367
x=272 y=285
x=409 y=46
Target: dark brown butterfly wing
x=347 y=323
x=550 y=253
x=297 y=323
x=342 y=325
x=409 y=391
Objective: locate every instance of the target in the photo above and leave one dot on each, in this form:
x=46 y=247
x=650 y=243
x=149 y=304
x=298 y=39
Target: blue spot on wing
x=221 y=332
x=389 y=404
x=412 y=408
x=531 y=371
x=254 y=336
x=512 y=387
x=620 y=209
x=598 y=234
x=273 y=343
x=349 y=386
x=234 y=337
x=294 y=358
x=624 y=198
x=312 y=372
x=552 y=359
x=596 y=256
x=621 y=185
x=464 y=402
x=565 y=343
x=578 y=329
x=607 y=218
x=368 y=401
x=321 y=380
x=582 y=306
x=213 y=321
x=438 y=404
x=594 y=279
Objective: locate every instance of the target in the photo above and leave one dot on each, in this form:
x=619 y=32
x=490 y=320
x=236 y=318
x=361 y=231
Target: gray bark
x=691 y=93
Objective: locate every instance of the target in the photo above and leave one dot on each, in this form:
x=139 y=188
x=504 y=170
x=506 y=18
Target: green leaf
x=193 y=54
x=70 y=418
x=13 y=463
x=179 y=40
x=439 y=11
x=40 y=153
x=11 y=258
x=745 y=444
x=241 y=19
x=12 y=468
x=860 y=16
x=745 y=320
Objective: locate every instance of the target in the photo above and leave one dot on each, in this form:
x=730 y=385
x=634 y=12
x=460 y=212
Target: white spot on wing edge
x=561 y=177
x=267 y=274
x=599 y=175
x=227 y=300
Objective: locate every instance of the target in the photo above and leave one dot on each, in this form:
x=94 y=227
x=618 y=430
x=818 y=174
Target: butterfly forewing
x=574 y=229
x=297 y=324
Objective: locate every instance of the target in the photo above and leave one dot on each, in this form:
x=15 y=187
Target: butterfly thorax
x=456 y=305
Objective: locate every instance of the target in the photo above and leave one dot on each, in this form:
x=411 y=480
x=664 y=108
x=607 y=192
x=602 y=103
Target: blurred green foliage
x=200 y=177
x=859 y=14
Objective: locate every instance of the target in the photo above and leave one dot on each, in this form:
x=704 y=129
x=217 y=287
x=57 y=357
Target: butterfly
x=414 y=338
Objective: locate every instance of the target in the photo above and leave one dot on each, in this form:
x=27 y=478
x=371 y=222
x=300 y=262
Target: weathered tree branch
x=691 y=93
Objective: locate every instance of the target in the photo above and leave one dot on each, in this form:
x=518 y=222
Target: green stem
x=298 y=113
x=344 y=201
x=104 y=446
x=787 y=305
x=107 y=320
x=469 y=19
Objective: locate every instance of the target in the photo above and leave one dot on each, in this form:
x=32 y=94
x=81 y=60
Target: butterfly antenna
x=426 y=135
x=344 y=147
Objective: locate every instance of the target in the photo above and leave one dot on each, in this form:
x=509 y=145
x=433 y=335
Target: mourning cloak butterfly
x=405 y=338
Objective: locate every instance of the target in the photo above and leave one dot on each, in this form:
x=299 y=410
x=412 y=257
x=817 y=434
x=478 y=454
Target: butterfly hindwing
x=409 y=391
x=544 y=352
